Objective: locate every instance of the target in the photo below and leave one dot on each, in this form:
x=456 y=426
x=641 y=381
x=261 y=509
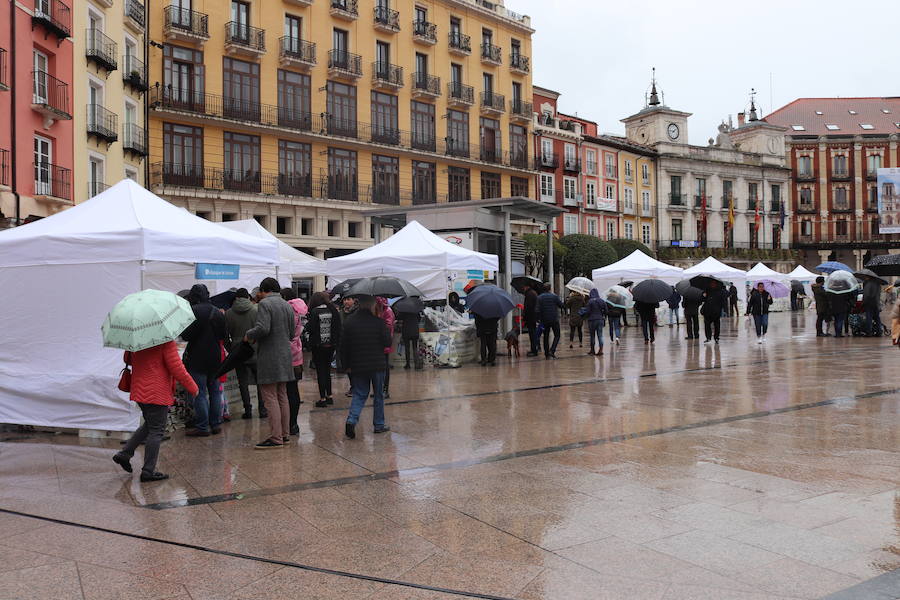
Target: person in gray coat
x=275 y=328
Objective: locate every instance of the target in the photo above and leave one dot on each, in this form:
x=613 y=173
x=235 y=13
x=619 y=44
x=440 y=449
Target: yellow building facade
x=303 y=113
x=109 y=82
x=637 y=192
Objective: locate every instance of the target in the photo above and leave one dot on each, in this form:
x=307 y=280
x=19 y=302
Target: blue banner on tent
x=214 y=271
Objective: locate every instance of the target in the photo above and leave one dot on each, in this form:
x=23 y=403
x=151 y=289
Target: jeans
x=548 y=327
x=762 y=324
x=488 y=347
x=615 y=328
x=322 y=359
x=873 y=314
x=673 y=316
x=595 y=331
x=572 y=330
x=151 y=432
x=647 y=327
x=840 y=319
x=360 y=385
x=243 y=373
x=275 y=395
x=208 y=402
x=533 y=338
x=712 y=326
x=693 y=326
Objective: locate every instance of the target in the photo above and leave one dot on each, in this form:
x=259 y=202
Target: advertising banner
x=211 y=271
x=889 y=200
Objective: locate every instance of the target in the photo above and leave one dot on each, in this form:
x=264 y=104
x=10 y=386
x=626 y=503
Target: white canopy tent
x=64 y=273
x=712 y=267
x=415 y=254
x=294 y=264
x=805 y=277
x=636 y=266
x=761 y=272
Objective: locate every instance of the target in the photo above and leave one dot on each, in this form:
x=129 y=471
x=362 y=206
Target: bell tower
x=656 y=123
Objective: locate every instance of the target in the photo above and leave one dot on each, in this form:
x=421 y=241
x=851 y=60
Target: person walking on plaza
x=596 y=310
x=530 y=317
x=293 y=387
x=647 y=313
x=348 y=307
x=691 y=318
x=714 y=299
x=154 y=372
x=323 y=331
x=823 y=307
x=673 y=301
x=486 y=329
x=733 y=301
x=238 y=319
x=548 y=311
x=275 y=328
x=871 y=303
x=383 y=310
x=574 y=303
x=758 y=305
x=202 y=358
x=409 y=332
x=363 y=340
x=615 y=314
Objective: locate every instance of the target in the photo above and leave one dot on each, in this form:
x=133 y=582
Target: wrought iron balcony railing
x=240 y=34
x=523 y=110
x=428 y=84
x=187 y=21
x=518 y=62
x=54 y=16
x=102 y=123
x=52 y=180
x=460 y=43
x=491 y=53
x=387 y=74
x=387 y=19
x=134 y=139
x=134 y=10
x=298 y=49
x=134 y=72
x=100 y=49
x=493 y=101
x=425 y=32
x=461 y=93
x=50 y=94
x=345 y=62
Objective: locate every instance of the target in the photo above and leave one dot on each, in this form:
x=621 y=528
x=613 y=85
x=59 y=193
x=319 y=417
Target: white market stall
x=293 y=263
x=637 y=266
x=62 y=275
x=805 y=277
x=712 y=267
x=761 y=272
x=415 y=254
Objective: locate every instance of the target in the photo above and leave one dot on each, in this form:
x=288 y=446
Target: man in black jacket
x=202 y=358
x=548 y=311
x=364 y=338
x=823 y=307
x=529 y=315
x=714 y=299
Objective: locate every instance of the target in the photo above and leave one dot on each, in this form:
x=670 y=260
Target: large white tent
x=712 y=267
x=293 y=262
x=636 y=267
x=64 y=273
x=415 y=254
x=761 y=272
x=805 y=277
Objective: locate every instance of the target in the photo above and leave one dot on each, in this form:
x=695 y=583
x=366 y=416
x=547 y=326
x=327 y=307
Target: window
x=570 y=186
x=546 y=152
x=675 y=190
x=307 y=226
x=590 y=193
x=283 y=225
x=645 y=174
x=645 y=234
x=41 y=66
x=385 y=128
x=183 y=76
x=611 y=165
x=804 y=166
x=422 y=66
x=629 y=199
x=628 y=170
x=592 y=227
x=676 y=230
x=517 y=96
x=294 y=168
x=806 y=227
x=518 y=186
x=776 y=236
x=342 y=174
x=727 y=194
x=806 y=197
x=261 y=219
x=570 y=224
x=776 y=197
x=241 y=172
x=456 y=72
x=840 y=198
x=515 y=47
x=421 y=14
x=798 y=127
x=457 y=133
x=873 y=163
x=182 y=155
x=382 y=59
x=204 y=214
x=423 y=181
x=459 y=184
x=867 y=126
x=294 y=100
x=629 y=231
x=385 y=179
x=354 y=229
x=340 y=42
x=490 y=185
x=610 y=230
x=831 y=127
x=334 y=228
x=752 y=194
x=590 y=162
x=518 y=146
x=487 y=82
x=840 y=165
x=645 y=203
x=873 y=197
x=840 y=227
x=228 y=217
x=490 y=140
x=340 y=106
x=569 y=155
x=240 y=89
x=546 y=187
x=753 y=234
x=293 y=31
x=610 y=191
x=96 y=180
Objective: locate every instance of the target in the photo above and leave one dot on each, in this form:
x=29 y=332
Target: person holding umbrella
x=145 y=325
x=618 y=300
x=758 y=305
x=673 y=301
x=202 y=358
x=823 y=307
x=548 y=309
x=489 y=304
x=574 y=303
x=596 y=310
x=363 y=340
x=714 y=299
x=647 y=296
x=692 y=297
x=408 y=310
x=842 y=287
x=647 y=313
x=530 y=317
x=871 y=301
x=384 y=311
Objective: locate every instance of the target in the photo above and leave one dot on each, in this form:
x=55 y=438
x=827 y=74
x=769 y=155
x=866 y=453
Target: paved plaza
x=677 y=470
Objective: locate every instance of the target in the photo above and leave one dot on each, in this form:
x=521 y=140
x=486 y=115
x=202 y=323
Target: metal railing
x=96 y=187
x=493 y=101
x=4 y=167
x=698 y=202
x=134 y=72
x=775 y=206
x=134 y=139
x=58 y=19
x=461 y=92
x=244 y=35
x=296 y=48
x=727 y=201
x=50 y=92
x=339 y=187
x=519 y=62
x=52 y=180
x=807 y=207
x=549 y=160
x=425 y=30
x=520 y=109
x=134 y=10
x=491 y=53
x=460 y=41
x=841 y=174
x=346 y=62
x=573 y=165
x=677 y=199
x=751 y=204
x=348 y=7
x=295 y=184
x=841 y=207
x=101 y=49
x=387 y=18
x=186 y=20
x=805 y=176
x=383 y=72
x=426 y=83
x=102 y=123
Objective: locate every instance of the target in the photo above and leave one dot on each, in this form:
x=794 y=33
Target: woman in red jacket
x=154 y=372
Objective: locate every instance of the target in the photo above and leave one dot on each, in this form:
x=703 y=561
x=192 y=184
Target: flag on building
x=782 y=214
x=758 y=217
x=730 y=213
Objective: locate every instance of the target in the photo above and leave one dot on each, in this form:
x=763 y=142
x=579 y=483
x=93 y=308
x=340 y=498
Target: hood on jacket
x=242 y=305
x=594 y=295
x=199 y=293
x=299 y=306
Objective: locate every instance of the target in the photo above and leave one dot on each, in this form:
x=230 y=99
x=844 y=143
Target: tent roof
x=712 y=267
x=128 y=223
x=638 y=265
x=801 y=273
x=412 y=249
x=760 y=272
x=293 y=261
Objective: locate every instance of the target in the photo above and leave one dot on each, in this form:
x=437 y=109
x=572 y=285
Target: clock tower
x=657 y=123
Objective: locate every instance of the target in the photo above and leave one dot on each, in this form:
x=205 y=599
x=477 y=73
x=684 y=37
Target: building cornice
x=490 y=14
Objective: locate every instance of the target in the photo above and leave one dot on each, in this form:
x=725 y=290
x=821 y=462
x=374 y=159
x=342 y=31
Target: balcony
x=572 y=165
x=492 y=103
x=775 y=206
x=185 y=25
x=55 y=17
x=50 y=97
x=344 y=9
x=490 y=155
x=612 y=171
x=460 y=44
x=521 y=112
x=841 y=207
x=386 y=19
x=294 y=52
x=134 y=73
x=751 y=204
x=52 y=183
x=727 y=202
x=423 y=141
x=491 y=54
x=102 y=124
x=386 y=76
x=591 y=167
x=4 y=81
x=382 y=134
x=807 y=207
x=698 y=202
x=134 y=139
x=135 y=17
x=295 y=184
x=100 y=49
x=425 y=86
x=4 y=167
x=871 y=174
x=387 y=194
x=678 y=201
x=460 y=95
x=300 y=2
x=344 y=65
x=842 y=175
x=247 y=181
x=805 y=176
x=425 y=33
x=243 y=40
x=339 y=187
x=519 y=64
x=457 y=148
x=96 y=187
x=549 y=160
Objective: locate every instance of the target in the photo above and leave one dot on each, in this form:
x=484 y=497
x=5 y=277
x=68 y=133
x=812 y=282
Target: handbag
x=125 y=375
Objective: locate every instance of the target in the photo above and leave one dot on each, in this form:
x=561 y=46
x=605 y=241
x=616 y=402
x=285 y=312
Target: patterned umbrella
x=580 y=285
x=886 y=265
x=146 y=319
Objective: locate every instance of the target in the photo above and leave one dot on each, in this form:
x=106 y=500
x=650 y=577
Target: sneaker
x=155 y=476
x=382 y=429
x=759 y=340
x=617 y=341
x=330 y=401
x=268 y=445
x=295 y=430
x=263 y=414
x=387 y=395
x=123 y=461
x=350 y=430
x=321 y=403
x=285 y=440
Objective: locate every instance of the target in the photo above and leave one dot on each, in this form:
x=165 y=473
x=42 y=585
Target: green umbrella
x=146 y=319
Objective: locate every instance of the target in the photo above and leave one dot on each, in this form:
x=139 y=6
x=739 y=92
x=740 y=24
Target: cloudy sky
x=709 y=53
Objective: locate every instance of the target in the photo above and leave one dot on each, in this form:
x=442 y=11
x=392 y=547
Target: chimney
x=740 y=119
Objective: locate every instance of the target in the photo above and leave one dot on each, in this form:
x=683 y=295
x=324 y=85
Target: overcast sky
x=709 y=53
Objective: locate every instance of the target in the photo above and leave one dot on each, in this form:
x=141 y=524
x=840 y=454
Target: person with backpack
x=202 y=358
x=596 y=312
x=238 y=319
x=323 y=330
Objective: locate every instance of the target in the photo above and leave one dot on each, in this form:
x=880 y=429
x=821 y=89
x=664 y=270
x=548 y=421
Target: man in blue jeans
x=363 y=340
x=202 y=358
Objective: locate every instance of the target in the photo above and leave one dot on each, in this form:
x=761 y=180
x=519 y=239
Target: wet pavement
x=677 y=470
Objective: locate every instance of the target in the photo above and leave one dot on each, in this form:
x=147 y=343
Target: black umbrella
x=689 y=292
x=343 y=287
x=223 y=300
x=651 y=290
x=408 y=304
x=868 y=273
x=886 y=265
x=702 y=281
x=521 y=281
x=237 y=357
x=627 y=284
x=489 y=301
x=384 y=286
x=797 y=286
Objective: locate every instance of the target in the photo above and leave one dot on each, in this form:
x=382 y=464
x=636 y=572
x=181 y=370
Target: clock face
x=672 y=130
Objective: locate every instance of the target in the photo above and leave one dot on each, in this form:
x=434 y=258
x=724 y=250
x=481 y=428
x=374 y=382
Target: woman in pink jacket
x=387 y=314
x=293 y=387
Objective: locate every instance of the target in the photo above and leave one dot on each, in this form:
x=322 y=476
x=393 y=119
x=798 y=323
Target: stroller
x=857 y=321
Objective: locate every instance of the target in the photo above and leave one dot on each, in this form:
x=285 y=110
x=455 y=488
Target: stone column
x=319 y=280
x=823 y=255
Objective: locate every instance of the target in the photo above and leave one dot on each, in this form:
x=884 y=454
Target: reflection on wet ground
x=677 y=470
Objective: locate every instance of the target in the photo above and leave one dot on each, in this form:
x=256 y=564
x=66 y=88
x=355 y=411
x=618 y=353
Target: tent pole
x=143 y=269
x=507 y=267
